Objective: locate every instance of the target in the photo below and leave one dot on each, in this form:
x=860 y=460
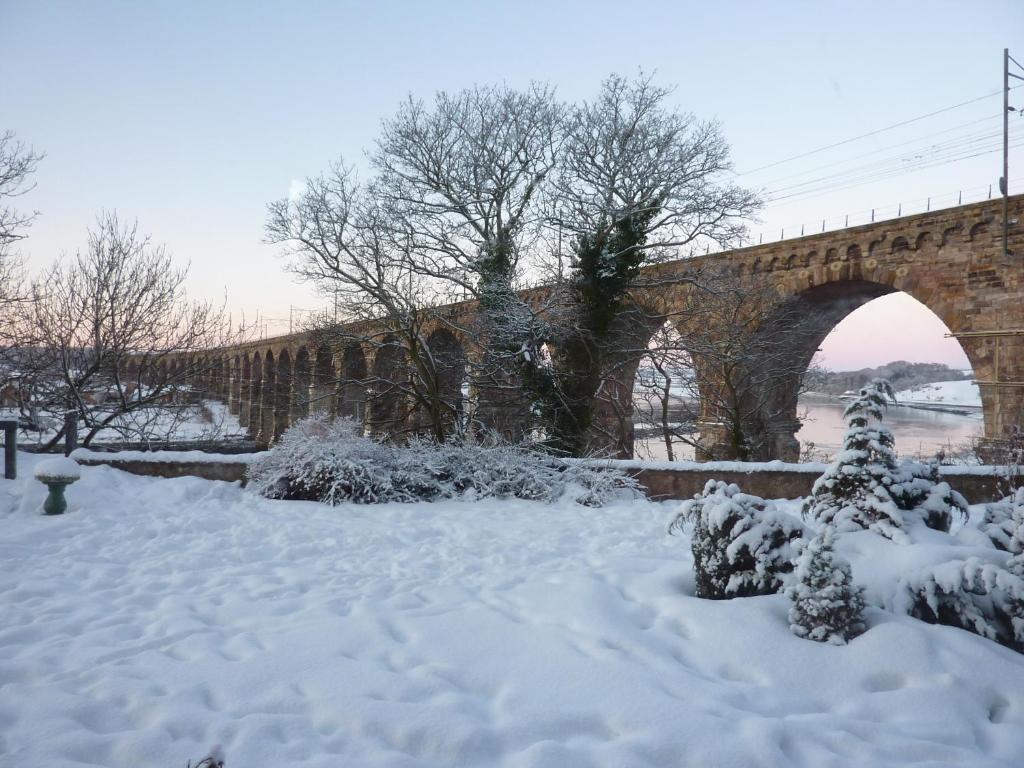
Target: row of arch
x=269 y=389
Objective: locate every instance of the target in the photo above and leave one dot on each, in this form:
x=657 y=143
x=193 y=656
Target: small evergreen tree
x=865 y=487
x=983 y=598
x=1003 y=522
x=917 y=487
x=741 y=546
x=827 y=607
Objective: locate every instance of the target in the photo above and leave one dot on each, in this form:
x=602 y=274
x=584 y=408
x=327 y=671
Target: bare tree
x=17 y=165
x=639 y=182
x=352 y=248
x=112 y=337
x=751 y=351
x=664 y=405
x=466 y=177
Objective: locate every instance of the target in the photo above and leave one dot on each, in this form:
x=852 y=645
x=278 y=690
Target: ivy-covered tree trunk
x=607 y=264
x=513 y=382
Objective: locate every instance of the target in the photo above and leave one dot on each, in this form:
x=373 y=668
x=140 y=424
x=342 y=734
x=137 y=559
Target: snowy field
x=961 y=393
x=208 y=421
x=159 y=617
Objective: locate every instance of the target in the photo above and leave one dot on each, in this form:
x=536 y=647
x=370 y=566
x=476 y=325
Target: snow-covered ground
x=207 y=421
x=159 y=617
x=959 y=393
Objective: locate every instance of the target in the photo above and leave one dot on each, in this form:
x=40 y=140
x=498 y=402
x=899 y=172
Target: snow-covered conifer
x=865 y=487
x=1003 y=522
x=741 y=545
x=983 y=598
x=917 y=486
x=827 y=607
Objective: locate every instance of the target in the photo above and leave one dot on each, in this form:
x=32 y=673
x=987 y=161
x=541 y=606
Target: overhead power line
x=872 y=133
x=890 y=173
x=950 y=150
x=989 y=119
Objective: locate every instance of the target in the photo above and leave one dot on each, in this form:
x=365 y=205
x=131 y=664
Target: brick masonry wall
x=978 y=485
x=977 y=488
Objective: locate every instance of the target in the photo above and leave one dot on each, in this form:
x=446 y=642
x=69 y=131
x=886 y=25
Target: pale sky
x=192 y=116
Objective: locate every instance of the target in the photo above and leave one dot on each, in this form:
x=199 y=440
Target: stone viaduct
x=950 y=260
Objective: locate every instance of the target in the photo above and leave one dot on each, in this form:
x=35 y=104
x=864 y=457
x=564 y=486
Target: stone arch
x=978 y=230
x=663 y=397
x=323 y=381
x=388 y=409
x=351 y=390
x=853 y=252
x=301 y=384
x=829 y=304
x=924 y=242
x=900 y=244
x=282 y=394
x=612 y=432
x=447 y=377
x=948 y=233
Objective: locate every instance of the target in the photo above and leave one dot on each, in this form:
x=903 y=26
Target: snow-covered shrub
x=504 y=470
x=741 y=545
x=215 y=759
x=917 y=488
x=827 y=607
x=329 y=460
x=865 y=487
x=1003 y=522
x=983 y=598
x=320 y=459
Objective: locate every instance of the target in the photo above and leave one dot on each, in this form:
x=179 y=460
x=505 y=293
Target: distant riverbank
x=921 y=429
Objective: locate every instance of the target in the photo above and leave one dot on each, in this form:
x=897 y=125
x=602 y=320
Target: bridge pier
x=234 y=387
x=998 y=359
x=781 y=441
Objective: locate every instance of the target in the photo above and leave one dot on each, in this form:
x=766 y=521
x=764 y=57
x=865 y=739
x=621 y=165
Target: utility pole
x=1004 y=182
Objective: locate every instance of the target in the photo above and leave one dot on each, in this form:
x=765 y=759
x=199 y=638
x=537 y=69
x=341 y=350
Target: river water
x=918 y=433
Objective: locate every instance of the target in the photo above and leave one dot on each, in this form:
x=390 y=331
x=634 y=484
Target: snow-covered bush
x=329 y=460
x=827 y=607
x=865 y=487
x=983 y=598
x=1003 y=522
x=741 y=545
x=503 y=470
x=320 y=459
x=917 y=488
x=215 y=759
